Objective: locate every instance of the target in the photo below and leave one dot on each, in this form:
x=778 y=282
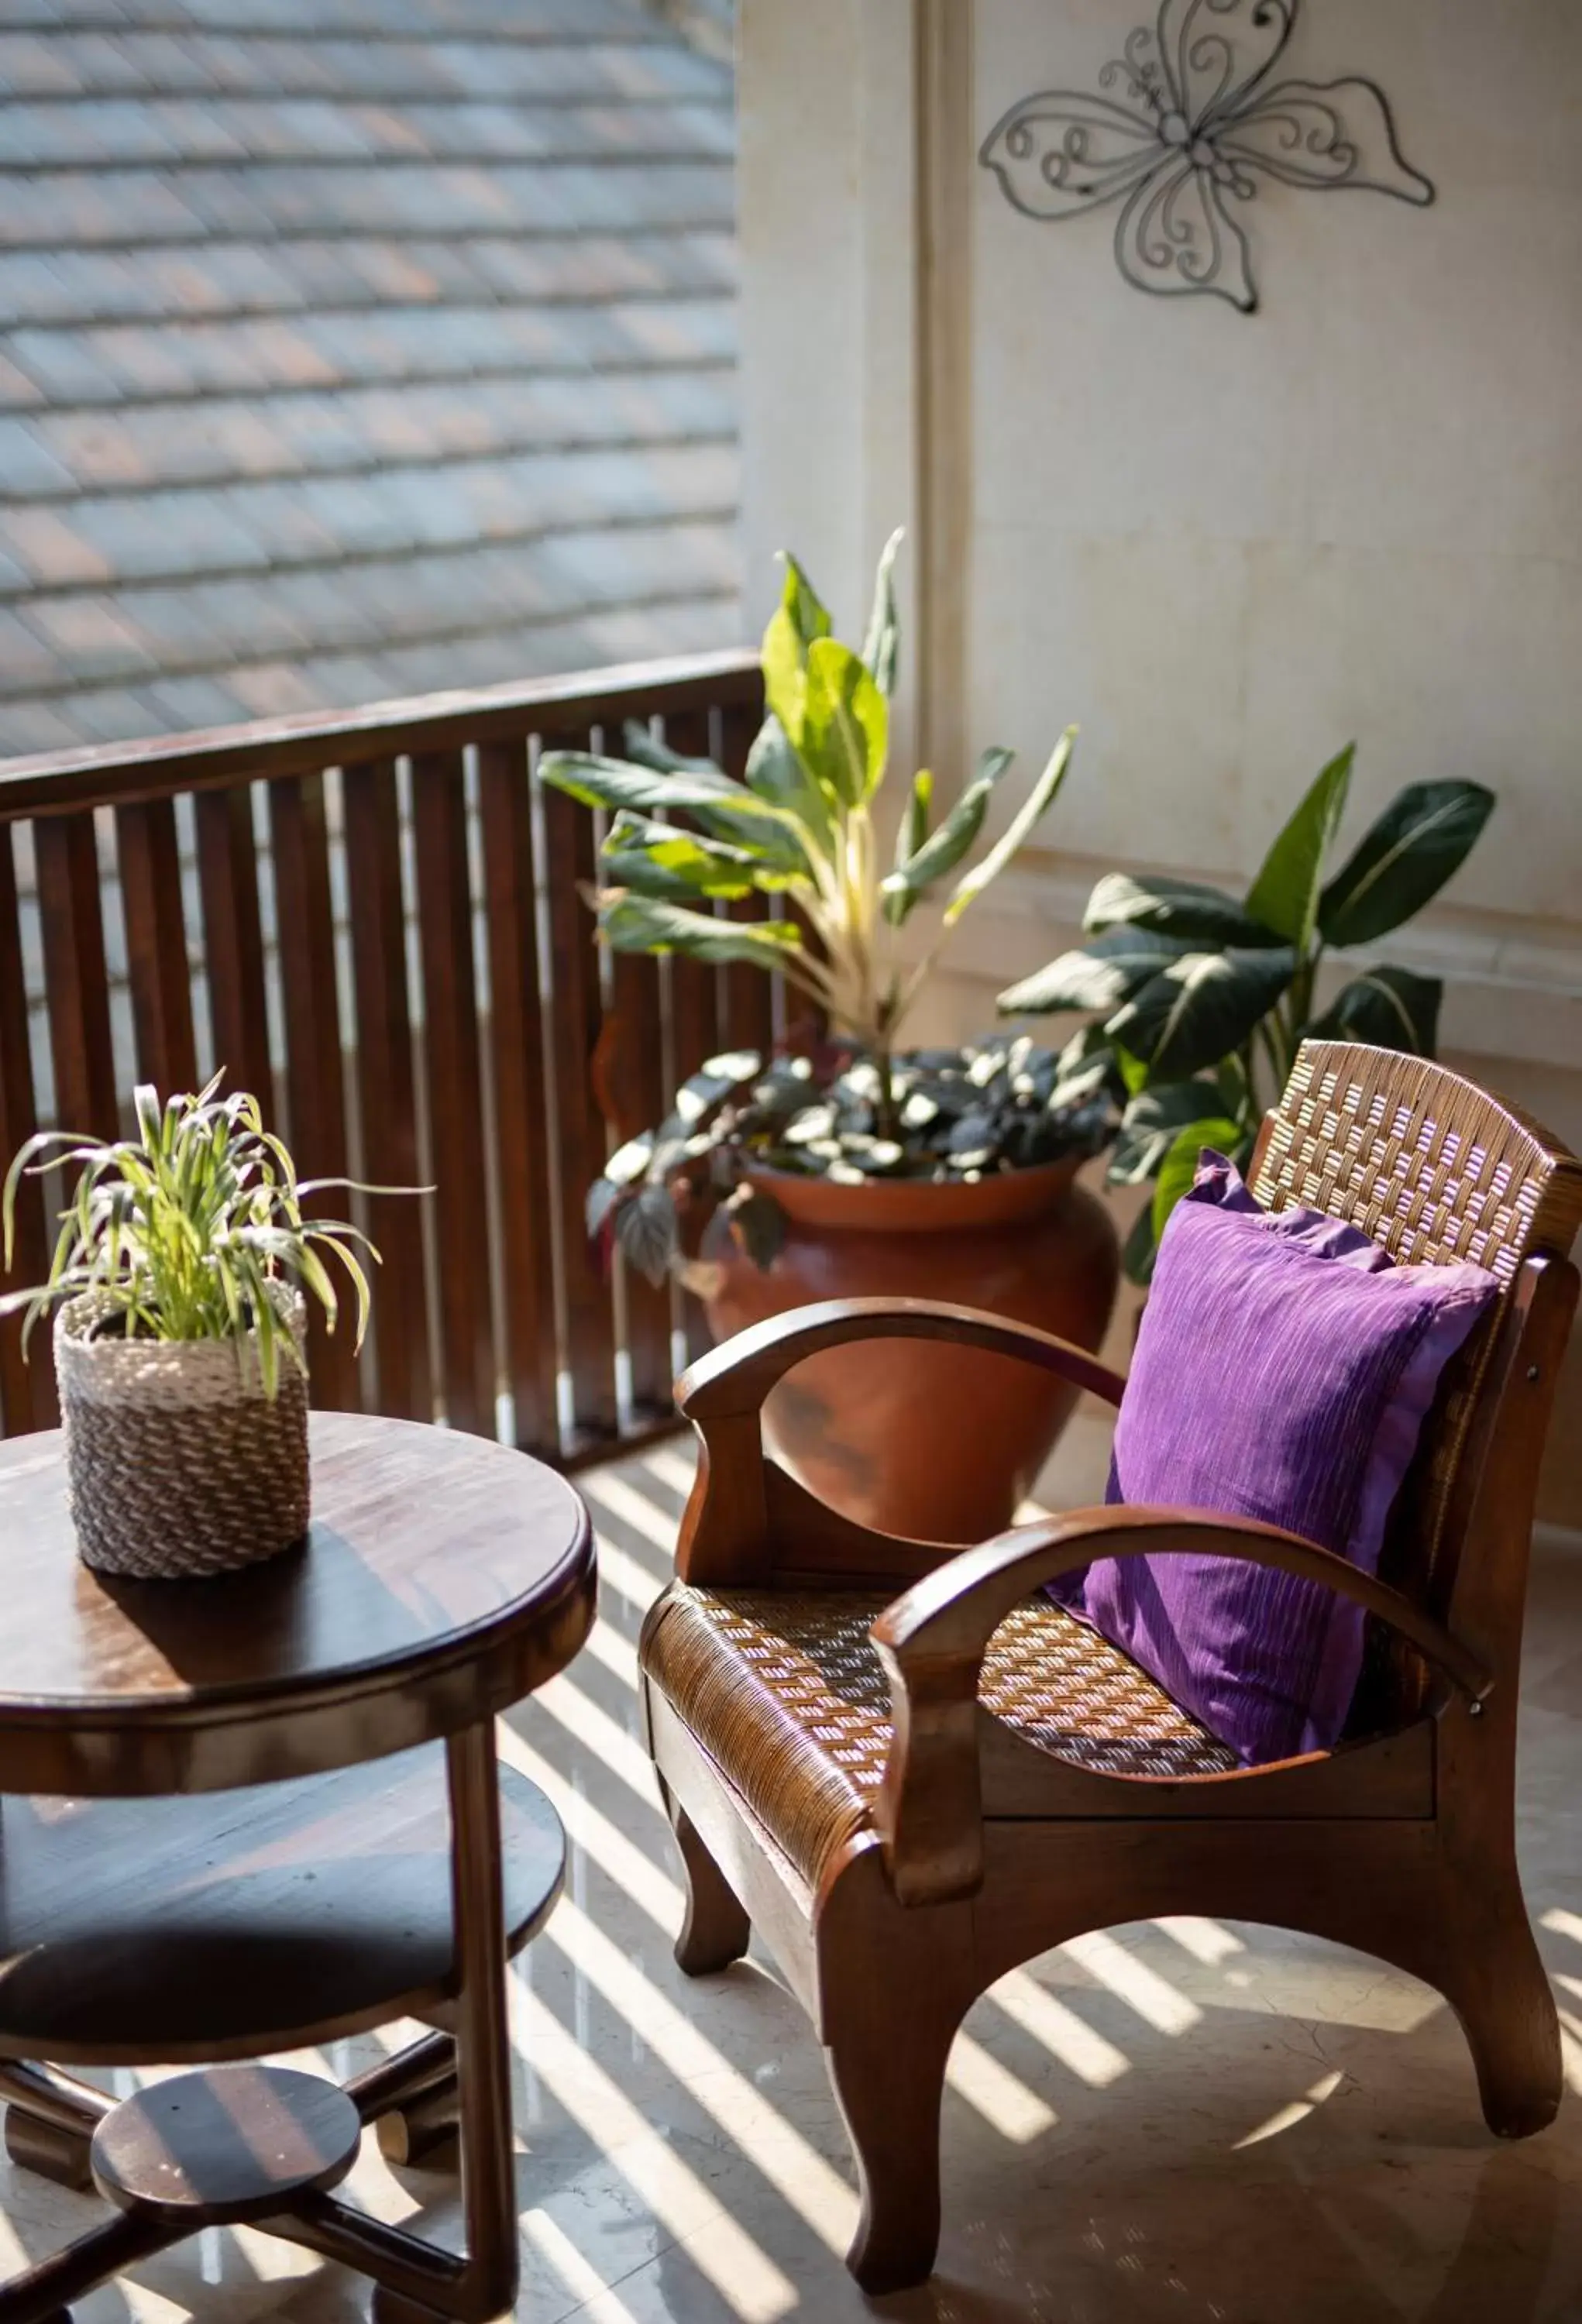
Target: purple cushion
x=1283 y=1370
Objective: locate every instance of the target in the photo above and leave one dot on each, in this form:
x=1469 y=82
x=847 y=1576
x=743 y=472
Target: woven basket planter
x=179 y=1464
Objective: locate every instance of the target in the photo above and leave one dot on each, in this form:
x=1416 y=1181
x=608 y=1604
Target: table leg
x=42 y=2294
x=483 y=2033
x=50 y=2121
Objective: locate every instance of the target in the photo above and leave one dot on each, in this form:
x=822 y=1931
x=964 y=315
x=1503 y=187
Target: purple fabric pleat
x=1283 y=1370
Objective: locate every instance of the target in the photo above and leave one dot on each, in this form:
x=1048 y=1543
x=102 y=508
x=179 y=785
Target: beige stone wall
x=1226 y=545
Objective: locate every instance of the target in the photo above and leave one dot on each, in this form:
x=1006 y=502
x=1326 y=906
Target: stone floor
x=1166 y=2124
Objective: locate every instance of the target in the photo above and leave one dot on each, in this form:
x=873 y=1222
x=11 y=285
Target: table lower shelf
x=234 y=1923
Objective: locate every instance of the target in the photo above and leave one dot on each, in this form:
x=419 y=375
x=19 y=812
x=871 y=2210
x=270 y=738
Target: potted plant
x=181 y=1277
x=1198 y=1002
x=856 y=1166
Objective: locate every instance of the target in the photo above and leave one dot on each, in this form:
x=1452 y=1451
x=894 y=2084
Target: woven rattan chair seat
x=787 y=1695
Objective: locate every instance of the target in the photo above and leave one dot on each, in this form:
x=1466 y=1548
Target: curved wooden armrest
x=932 y=1641
x=735 y=1378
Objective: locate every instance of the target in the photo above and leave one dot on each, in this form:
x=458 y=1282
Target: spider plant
x=193 y=1229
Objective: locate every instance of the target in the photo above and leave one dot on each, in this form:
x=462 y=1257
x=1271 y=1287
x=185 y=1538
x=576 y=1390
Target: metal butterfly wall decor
x=1203 y=124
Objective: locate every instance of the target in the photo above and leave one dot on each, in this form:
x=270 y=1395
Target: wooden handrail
x=114 y=774
x=399 y=962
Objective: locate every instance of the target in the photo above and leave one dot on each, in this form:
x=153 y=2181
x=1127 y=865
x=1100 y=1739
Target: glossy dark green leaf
x=760 y=1226
x=1391 y=1007
x=1285 y=894
x=1179 y=1166
x=1101 y=975
x=1183 y=910
x=1150 y=1124
x=646 y=1231
x=1422 y=837
x=1199 y=1008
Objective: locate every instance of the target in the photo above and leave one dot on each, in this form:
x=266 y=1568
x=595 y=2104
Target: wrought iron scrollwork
x=1194 y=123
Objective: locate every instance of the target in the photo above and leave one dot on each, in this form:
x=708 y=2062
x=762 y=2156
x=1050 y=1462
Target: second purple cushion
x=1283 y=1370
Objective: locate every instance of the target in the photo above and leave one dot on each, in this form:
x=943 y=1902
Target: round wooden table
x=251 y=1814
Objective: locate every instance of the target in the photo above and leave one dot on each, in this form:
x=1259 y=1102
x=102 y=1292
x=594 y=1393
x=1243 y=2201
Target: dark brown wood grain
x=27 y=1391
x=982 y=1850
x=228 y=876
x=632 y=1062
x=310 y=1911
x=386 y=1087
x=694 y=998
x=580 y=1142
x=305 y=742
x=522 y=1111
x=156 y=945
x=315 y=1068
x=455 y=1088
x=439 y=1570
x=77 y=985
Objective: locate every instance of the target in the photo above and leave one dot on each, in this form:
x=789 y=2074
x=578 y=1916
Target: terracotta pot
x=935 y=1442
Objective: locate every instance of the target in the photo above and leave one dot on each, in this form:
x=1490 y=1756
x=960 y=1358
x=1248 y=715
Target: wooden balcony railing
x=374 y=921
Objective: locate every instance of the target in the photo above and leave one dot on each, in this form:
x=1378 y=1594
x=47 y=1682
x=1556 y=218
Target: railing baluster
x=27 y=1388
x=228 y=878
x=456 y=1123
x=315 y=1082
x=520 y=1099
x=386 y=1091
x=575 y=1027
x=156 y=944
x=495 y=1279
x=633 y=1094
x=75 y=979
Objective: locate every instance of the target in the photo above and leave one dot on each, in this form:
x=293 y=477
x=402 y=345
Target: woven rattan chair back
x=1436 y=1171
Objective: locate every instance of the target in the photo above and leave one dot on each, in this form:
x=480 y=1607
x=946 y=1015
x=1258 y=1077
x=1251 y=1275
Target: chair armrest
x=735 y=1378
x=932 y=1639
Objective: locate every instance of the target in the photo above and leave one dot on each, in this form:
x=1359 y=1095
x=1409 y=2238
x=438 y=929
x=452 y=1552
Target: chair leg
x=887 y=2067
x=1499 y=1988
x=716 y=1929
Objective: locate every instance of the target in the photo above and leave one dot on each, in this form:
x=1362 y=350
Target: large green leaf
x=1179 y=1166
x=1285 y=894
x=642 y=924
x=845 y=722
x=1393 y=1008
x=1181 y=908
x=659 y=859
x=726 y=810
x=881 y=645
x=776 y=773
x=1012 y=840
x=1201 y=1006
x=644 y=750
x=1100 y=976
x=1152 y=1124
x=1423 y=836
x=799 y=619
x=943 y=849
x=807 y=611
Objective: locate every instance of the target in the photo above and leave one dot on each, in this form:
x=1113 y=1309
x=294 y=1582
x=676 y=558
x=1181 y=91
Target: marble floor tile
x=1181 y=2122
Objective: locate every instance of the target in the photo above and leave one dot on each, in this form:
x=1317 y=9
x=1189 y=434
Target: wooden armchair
x=908 y=1794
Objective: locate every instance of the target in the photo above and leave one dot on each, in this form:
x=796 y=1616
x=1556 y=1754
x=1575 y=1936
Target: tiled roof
x=351 y=348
